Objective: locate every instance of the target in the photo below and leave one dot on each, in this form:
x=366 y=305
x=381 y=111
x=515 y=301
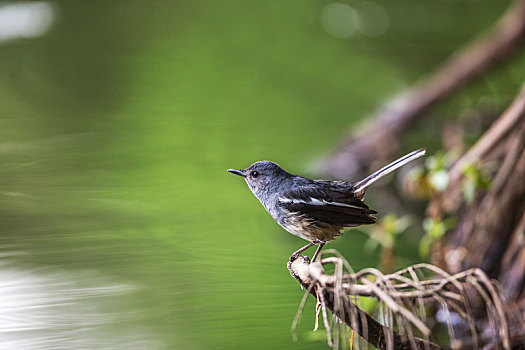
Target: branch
x=490 y=225
x=504 y=139
x=379 y=140
x=367 y=327
x=406 y=296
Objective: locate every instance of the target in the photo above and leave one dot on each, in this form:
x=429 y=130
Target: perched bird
x=315 y=210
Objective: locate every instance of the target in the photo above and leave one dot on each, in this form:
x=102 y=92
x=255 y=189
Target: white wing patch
x=315 y=201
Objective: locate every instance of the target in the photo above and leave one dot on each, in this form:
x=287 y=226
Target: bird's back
x=320 y=209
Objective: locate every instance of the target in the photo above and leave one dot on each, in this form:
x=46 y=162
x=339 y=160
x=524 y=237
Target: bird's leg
x=321 y=245
x=296 y=254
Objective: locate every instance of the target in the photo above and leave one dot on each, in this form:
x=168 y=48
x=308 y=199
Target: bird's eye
x=254 y=173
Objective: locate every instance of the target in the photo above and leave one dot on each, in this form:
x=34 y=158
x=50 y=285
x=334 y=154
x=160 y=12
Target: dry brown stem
x=504 y=142
x=490 y=230
x=405 y=296
x=379 y=140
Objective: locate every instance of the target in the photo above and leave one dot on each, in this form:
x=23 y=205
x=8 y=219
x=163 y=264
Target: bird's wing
x=332 y=206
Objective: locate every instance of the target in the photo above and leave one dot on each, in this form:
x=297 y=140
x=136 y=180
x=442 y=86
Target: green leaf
x=469 y=191
x=424 y=246
x=439 y=180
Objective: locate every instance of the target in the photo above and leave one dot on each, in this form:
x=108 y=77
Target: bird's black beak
x=237 y=172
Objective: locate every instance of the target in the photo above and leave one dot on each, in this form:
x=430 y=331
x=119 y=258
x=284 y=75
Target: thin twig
x=398 y=294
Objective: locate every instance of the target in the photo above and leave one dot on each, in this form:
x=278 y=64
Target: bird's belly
x=309 y=229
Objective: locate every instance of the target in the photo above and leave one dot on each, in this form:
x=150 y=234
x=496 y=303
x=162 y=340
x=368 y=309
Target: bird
x=315 y=210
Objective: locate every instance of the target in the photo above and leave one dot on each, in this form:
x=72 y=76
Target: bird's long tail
x=361 y=186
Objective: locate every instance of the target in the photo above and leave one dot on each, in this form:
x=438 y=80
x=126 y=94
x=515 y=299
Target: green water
x=116 y=130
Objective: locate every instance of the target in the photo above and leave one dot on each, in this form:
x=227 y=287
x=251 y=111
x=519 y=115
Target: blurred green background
x=121 y=227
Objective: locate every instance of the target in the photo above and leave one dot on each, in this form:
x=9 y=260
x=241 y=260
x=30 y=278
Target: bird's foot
x=296 y=255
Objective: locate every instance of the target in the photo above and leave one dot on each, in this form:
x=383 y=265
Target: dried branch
x=503 y=143
x=406 y=296
x=498 y=213
x=379 y=140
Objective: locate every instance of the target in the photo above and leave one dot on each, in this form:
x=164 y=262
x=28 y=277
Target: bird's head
x=262 y=176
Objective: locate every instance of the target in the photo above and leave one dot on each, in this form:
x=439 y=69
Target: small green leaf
x=427 y=224
x=369 y=304
x=424 y=246
x=439 y=180
x=469 y=191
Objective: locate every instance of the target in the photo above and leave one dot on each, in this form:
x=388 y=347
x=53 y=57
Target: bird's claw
x=296 y=255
